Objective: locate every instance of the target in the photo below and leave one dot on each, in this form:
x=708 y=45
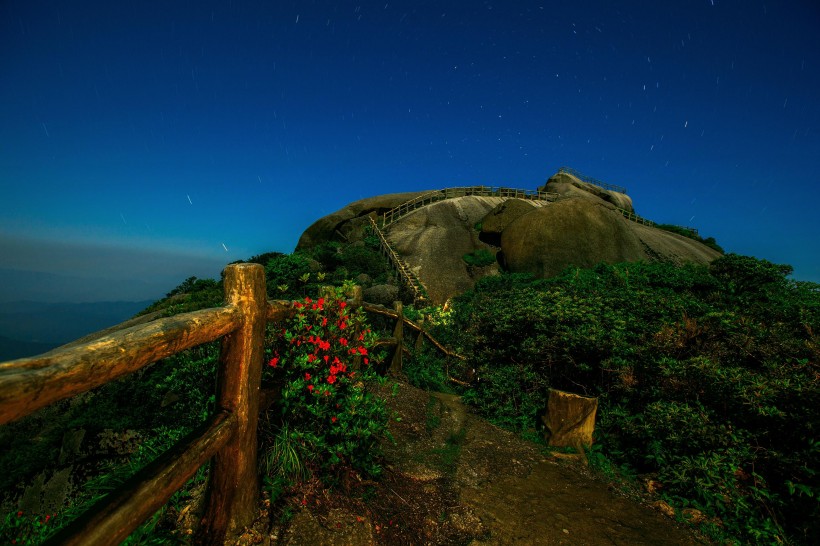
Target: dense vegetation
x=708 y=379
x=56 y=463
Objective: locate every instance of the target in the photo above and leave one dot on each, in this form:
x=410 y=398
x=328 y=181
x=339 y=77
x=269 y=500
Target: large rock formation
x=434 y=239
x=584 y=232
x=584 y=227
x=568 y=185
x=346 y=223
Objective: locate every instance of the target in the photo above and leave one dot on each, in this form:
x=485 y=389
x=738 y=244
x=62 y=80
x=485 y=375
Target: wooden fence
x=449 y=193
x=629 y=215
x=229 y=437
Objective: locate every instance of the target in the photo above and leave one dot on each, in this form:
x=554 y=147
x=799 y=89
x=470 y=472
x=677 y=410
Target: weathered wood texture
x=28 y=384
x=114 y=517
x=276 y=310
x=234 y=482
x=570 y=419
x=136 y=321
x=230 y=438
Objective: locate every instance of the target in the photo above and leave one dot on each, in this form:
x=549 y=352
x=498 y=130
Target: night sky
x=150 y=141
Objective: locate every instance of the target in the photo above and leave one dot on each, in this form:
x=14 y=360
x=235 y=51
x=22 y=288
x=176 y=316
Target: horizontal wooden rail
x=378 y=310
x=28 y=384
x=112 y=519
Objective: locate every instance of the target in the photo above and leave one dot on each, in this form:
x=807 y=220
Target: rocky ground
x=453 y=478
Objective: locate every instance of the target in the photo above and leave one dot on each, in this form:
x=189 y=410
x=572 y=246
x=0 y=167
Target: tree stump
x=570 y=419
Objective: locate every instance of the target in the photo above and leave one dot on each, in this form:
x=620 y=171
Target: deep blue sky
x=139 y=137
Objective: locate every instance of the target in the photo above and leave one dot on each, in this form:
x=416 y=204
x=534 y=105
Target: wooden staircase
x=402 y=269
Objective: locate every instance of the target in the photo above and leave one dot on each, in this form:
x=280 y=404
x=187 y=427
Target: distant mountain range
x=28 y=328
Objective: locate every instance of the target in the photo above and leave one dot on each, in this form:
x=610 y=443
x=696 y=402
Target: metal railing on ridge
x=589 y=180
x=449 y=193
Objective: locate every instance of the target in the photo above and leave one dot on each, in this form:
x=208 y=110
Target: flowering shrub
x=330 y=419
x=20 y=528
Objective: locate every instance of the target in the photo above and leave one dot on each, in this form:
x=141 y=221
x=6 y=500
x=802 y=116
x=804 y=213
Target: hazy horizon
x=58 y=272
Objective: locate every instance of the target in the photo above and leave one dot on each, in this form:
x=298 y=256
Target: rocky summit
x=448 y=238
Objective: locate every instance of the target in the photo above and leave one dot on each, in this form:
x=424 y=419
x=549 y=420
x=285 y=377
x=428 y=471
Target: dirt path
x=455 y=479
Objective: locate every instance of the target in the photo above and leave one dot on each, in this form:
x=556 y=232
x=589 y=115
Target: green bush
x=480 y=258
x=687 y=362
x=329 y=420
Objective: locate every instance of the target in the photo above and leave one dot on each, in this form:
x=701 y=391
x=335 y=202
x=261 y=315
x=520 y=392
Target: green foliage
x=707 y=378
x=191 y=295
x=427 y=369
x=365 y=259
x=27 y=529
x=171 y=397
x=480 y=258
x=291 y=271
x=329 y=419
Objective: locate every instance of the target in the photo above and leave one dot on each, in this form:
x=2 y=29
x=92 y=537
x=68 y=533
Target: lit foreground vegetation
x=707 y=377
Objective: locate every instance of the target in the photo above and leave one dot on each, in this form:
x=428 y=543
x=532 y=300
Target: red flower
x=308 y=300
x=343 y=341
x=325 y=345
x=324 y=321
x=342 y=325
x=273 y=362
x=311 y=387
x=362 y=351
x=326 y=357
x=342 y=304
x=334 y=419
x=307 y=376
x=20 y=514
x=311 y=357
x=331 y=379
x=321 y=302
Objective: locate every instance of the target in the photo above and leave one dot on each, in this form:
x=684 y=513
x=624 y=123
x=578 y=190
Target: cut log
x=570 y=419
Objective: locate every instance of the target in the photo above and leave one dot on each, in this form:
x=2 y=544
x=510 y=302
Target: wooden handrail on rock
x=594 y=181
x=450 y=193
x=402 y=269
x=229 y=437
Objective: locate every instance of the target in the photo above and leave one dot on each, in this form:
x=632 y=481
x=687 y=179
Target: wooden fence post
x=233 y=491
x=398 y=333
x=570 y=419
